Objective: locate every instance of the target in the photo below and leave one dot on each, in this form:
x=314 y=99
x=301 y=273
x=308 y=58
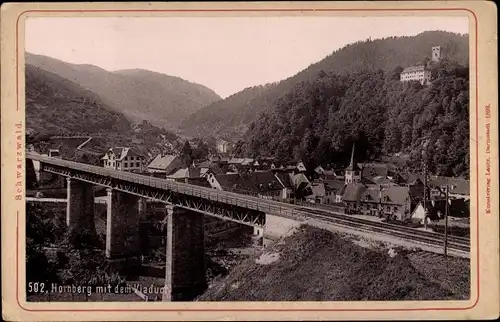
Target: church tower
x=352 y=172
x=436 y=53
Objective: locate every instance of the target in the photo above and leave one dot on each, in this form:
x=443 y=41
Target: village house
x=184 y=174
x=233 y=168
x=390 y=202
x=54 y=153
x=458 y=188
x=379 y=173
x=219 y=158
x=318 y=193
x=193 y=143
x=436 y=210
x=222 y=146
x=286 y=181
x=421 y=73
x=300 y=184
x=165 y=164
x=416 y=73
x=262 y=184
x=328 y=173
x=290 y=167
x=123 y=159
x=319 y=170
x=236 y=160
x=332 y=175
x=333 y=191
x=154 y=151
x=247 y=162
x=326 y=192
x=265 y=162
x=214 y=169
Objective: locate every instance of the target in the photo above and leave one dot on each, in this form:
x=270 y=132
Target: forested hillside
x=138 y=94
x=57 y=106
x=318 y=121
x=226 y=117
x=231 y=117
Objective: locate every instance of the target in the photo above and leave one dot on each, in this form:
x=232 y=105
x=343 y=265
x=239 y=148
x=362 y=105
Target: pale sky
x=225 y=54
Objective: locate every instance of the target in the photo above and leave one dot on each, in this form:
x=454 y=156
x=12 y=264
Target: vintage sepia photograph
x=247 y=159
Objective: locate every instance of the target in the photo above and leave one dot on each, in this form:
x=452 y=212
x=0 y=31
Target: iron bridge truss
x=212 y=208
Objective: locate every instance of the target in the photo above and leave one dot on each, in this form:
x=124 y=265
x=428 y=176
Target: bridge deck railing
x=231 y=198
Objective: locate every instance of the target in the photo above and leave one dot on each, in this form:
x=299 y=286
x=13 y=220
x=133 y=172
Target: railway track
x=434 y=239
x=163 y=190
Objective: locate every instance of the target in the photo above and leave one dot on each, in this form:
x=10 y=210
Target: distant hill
x=139 y=94
x=231 y=117
x=232 y=114
x=55 y=105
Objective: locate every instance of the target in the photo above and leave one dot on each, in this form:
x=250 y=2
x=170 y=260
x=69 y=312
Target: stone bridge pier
x=122 y=219
x=122 y=224
x=185 y=273
x=80 y=208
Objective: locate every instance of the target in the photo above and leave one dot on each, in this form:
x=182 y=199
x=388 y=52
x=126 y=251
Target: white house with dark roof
x=416 y=73
x=223 y=146
x=123 y=159
x=420 y=72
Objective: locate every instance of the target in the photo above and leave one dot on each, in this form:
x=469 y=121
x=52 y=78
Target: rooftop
x=256 y=182
x=120 y=153
x=413 y=69
x=165 y=163
x=390 y=194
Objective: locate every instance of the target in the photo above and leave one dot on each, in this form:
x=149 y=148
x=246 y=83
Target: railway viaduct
x=185 y=207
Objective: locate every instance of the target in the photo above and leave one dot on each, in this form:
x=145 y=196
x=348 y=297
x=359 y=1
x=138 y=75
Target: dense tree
x=318 y=121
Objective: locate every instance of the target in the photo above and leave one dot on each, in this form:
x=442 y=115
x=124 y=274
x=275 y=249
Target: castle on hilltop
x=421 y=73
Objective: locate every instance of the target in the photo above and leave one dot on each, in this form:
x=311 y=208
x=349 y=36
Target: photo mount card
x=249 y=161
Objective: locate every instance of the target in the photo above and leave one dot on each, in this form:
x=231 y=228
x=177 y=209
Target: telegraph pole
x=425 y=195
x=380 y=208
x=446 y=224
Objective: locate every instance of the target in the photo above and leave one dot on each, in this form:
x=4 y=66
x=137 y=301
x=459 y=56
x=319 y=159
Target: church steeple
x=352 y=172
x=353 y=166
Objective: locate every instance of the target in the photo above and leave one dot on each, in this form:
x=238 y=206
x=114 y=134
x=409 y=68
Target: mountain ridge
x=230 y=118
x=158 y=98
